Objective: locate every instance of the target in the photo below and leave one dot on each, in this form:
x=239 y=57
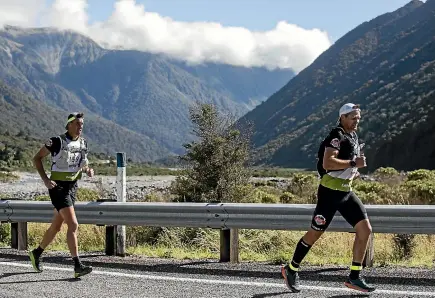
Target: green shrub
x=87 y=195
x=42 y=198
x=269 y=199
x=388 y=176
x=387 y=172
x=288 y=198
x=261 y=196
x=184 y=189
x=370 y=187
x=243 y=192
x=421 y=175
x=155 y=197
x=374 y=192
x=5 y=233
x=421 y=191
x=304 y=186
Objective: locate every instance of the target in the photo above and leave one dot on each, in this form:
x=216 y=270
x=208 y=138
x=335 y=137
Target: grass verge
x=274 y=247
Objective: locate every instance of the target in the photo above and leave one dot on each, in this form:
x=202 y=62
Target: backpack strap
x=63 y=142
x=83 y=149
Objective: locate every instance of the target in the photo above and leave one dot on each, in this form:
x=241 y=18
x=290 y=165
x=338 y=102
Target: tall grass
x=272 y=246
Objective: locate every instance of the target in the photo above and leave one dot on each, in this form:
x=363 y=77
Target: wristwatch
x=352 y=163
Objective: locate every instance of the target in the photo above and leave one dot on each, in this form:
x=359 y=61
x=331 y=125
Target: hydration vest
x=67 y=164
x=349 y=149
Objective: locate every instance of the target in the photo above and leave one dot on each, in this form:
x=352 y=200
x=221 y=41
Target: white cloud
x=20 y=12
x=130 y=26
x=69 y=14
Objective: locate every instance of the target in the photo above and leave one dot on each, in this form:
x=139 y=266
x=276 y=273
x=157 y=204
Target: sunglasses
x=73 y=117
x=356 y=107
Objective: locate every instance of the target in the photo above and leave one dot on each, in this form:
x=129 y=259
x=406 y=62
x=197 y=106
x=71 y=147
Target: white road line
x=224 y=282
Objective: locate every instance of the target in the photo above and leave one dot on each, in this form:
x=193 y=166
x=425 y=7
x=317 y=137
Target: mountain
x=24 y=115
x=387 y=66
x=142 y=95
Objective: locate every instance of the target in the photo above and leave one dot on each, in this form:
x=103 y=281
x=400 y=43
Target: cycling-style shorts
x=330 y=201
x=63 y=194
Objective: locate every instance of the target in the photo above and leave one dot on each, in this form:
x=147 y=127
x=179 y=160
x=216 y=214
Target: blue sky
x=334 y=16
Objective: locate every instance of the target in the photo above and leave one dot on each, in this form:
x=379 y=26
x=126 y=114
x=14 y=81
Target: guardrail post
x=234 y=246
x=225 y=252
x=229 y=245
x=14 y=235
x=370 y=252
x=110 y=240
x=22 y=236
x=121 y=197
x=19 y=235
x=18 y=232
x=110 y=246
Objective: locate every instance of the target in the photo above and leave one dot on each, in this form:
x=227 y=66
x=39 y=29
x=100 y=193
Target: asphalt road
x=149 y=277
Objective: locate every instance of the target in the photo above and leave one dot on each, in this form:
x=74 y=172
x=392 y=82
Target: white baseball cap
x=347 y=108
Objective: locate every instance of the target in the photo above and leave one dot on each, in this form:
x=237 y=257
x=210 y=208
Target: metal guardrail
x=228 y=217
x=118 y=213
x=398 y=219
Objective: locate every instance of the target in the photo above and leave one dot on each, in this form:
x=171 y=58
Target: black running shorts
x=63 y=194
x=330 y=201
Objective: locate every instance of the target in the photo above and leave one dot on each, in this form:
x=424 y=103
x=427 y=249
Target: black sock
x=355 y=269
x=301 y=251
x=77 y=262
x=38 y=251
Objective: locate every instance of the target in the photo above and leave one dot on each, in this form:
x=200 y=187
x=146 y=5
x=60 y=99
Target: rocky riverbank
x=30 y=186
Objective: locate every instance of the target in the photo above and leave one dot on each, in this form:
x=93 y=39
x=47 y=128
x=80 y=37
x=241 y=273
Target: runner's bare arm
x=37 y=161
x=331 y=162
